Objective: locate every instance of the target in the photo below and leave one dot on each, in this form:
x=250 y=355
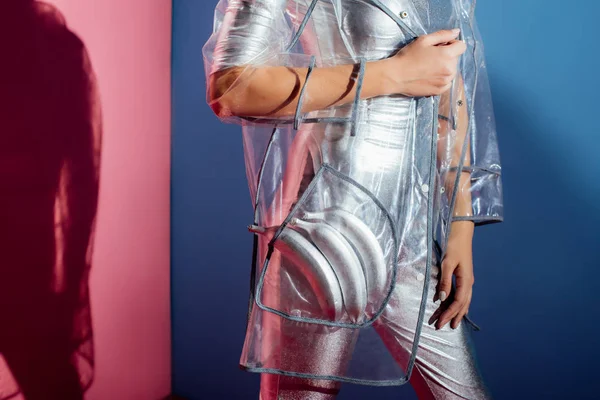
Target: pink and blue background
x=171 y=265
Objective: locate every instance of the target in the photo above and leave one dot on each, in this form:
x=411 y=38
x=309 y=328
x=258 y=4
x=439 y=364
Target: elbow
x=221 y=109
x=222 y=96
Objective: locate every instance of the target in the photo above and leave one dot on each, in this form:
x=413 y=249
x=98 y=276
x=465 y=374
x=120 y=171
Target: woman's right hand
x=425 y=67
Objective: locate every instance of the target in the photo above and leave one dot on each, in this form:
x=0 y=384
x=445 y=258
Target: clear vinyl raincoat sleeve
x=348 y=200
x=467 y=139
x=249 y=35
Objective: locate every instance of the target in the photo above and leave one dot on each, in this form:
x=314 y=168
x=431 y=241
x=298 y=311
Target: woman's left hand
x=458 y=261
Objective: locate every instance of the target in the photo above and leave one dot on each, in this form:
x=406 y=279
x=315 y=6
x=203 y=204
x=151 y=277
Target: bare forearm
x=424 y=67
x=274 y=91
x=463 y=205
x=463 y=201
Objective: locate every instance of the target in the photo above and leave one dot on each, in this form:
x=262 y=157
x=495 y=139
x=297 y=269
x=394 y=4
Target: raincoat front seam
x=430 y=206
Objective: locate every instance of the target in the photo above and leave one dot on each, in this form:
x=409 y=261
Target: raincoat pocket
x=333 y=260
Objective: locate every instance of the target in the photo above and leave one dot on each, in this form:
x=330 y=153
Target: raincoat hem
x=480 y=220
x=366 y=382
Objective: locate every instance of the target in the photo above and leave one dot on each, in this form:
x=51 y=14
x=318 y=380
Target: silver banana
x=344 y=262
x=317 y=270
x=367 y=247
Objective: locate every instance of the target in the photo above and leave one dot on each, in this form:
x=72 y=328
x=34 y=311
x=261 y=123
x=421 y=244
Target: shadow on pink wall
x=50 y=131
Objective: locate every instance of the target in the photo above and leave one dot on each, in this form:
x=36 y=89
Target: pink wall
x=129 y=43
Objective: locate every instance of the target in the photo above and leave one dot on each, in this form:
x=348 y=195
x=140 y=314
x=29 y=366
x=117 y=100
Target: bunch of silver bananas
x=342 y=261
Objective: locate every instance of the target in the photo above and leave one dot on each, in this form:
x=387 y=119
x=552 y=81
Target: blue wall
x=535 y=272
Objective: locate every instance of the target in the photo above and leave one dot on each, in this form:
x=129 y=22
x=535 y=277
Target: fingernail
x=455 y=30
x=442 y=296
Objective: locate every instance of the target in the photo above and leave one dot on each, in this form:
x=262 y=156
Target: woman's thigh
x=445 y=363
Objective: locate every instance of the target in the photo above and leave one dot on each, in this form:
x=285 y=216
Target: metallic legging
x=445 y=366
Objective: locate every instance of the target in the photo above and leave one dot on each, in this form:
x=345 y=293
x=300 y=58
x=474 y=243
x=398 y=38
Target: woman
x=371 y=155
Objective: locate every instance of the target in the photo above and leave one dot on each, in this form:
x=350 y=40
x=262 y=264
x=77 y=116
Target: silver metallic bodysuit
x=354 y=203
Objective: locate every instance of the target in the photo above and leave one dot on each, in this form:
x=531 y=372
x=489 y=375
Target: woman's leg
x=276 y=387
x=324 y=351
x=445 y=365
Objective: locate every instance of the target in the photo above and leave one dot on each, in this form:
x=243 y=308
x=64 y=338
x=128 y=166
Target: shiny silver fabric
x=445 y=366
x=391 y=161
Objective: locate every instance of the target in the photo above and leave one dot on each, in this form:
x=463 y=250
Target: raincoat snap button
x=442 y=189
x=420 y=277
x=425 y=188
x=403 y=14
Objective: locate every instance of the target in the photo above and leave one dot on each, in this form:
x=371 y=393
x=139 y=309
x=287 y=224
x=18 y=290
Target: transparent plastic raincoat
x=346 y=197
